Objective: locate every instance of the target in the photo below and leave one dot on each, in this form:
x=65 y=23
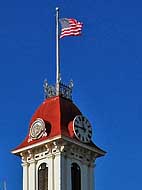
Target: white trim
x=83 y=145
x=35 y=145
x=86 y=146
x=32 y=175
x=25 y=176
x=68 y=170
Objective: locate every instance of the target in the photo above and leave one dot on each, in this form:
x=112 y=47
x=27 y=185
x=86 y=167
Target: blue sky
x=105 y=64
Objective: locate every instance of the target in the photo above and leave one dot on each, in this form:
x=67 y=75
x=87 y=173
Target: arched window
x=43 y=177
x=75 y=176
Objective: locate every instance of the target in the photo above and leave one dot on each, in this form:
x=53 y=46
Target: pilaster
x=32 y=171
x=51 y=172
x=91 y=176
x=25 y=166
x=68 y=176
x=57 y=171
x=84 y=174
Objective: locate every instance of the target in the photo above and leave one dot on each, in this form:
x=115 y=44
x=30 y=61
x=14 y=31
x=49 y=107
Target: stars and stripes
x=70 y=27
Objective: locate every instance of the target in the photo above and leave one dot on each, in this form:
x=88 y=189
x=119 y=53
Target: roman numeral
x=77 y=122
x=82 y=138
x=76 y=130
x=90 y=131
x=87 y=139
x=89 y=136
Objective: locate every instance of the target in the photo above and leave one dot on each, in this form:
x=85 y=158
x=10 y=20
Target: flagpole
x=57 y=54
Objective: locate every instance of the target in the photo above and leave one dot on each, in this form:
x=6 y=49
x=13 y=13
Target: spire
x=58 y=74
x=59 y=89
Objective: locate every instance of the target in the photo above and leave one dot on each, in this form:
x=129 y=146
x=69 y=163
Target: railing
x=64 y=90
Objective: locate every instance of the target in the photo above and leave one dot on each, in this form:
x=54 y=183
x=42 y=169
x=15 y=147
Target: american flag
x=70 y=27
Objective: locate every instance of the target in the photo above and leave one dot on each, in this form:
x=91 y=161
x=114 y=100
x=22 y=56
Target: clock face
x=82 y=128
x=37 y=129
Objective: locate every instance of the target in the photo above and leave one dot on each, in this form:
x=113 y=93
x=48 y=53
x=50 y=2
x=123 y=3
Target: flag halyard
x=70 y=27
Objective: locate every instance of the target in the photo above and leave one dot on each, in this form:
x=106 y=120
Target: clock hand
x=81 y=127
x=84 y=128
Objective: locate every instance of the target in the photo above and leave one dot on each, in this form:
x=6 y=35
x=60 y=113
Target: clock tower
x=58 y=152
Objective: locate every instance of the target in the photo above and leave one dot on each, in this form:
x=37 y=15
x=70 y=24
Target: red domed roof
x=58 y=114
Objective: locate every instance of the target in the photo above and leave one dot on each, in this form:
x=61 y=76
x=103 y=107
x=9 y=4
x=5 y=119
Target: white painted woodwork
x=32 y=174
x=51 y=172
x=91 y=177
x=68 y=171
x=25 y=176
x=58 y=157
x=84 y=174
x=57 y=172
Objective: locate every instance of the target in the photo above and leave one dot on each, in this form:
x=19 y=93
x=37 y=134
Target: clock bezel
x=88 y=137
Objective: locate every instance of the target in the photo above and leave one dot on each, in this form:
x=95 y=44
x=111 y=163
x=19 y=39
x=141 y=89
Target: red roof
x=58 y=114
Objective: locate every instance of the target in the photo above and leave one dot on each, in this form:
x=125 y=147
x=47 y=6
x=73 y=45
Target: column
x=57 y=172
x=68 y=176
x=32 y=175
x=63 y=172
x=91 y=176
x=84 y=174
x=51 y=172
x=25 y=175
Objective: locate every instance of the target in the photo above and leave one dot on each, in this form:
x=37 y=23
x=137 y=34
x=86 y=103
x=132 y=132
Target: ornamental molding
x=84 y=156
x=63 y=146
x=47 y=150
x=23 y=158
x=64 y=90
x=55 y=148
x=35 y=145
